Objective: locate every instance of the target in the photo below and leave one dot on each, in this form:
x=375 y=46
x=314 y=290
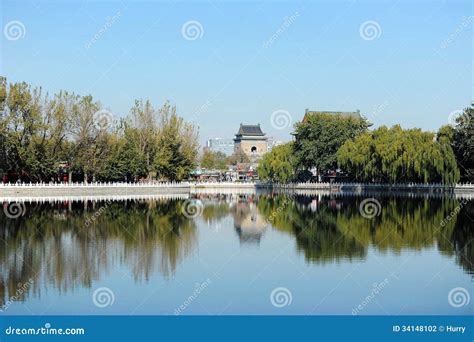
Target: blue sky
x=245 y=62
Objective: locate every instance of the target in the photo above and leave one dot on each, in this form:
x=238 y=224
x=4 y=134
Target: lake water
x=277 y=254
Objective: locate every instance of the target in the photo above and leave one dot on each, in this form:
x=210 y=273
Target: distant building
x=225 y=146
x=251 y=140
x=271 y=143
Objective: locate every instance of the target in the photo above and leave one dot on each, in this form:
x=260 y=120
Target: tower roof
x=253 y=130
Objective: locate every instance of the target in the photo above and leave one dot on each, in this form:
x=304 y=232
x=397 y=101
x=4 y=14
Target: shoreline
x=78 y=191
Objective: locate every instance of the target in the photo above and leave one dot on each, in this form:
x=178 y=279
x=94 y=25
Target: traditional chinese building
x=251 y=140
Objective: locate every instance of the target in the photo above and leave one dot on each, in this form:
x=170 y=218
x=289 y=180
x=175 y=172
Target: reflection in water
x=70 y=245
x=331 y=228
x=53 y=245
x=248 y=222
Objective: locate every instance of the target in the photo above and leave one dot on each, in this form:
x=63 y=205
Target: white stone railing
x=370 y=185
x=96 y=184
x=308 y=185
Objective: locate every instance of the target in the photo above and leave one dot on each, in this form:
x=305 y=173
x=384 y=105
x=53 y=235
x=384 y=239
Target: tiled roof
x=250 y=130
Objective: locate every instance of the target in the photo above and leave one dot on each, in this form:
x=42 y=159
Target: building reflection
x=248 y=223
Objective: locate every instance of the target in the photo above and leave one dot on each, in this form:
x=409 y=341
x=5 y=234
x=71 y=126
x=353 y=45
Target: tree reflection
x=331 y=228
x=51 y=244
x=70 y=245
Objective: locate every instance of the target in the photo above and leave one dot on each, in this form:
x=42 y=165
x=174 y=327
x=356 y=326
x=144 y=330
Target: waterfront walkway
x=144 y=189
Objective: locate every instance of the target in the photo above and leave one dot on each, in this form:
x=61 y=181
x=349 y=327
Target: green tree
x=39 y=134
x=213 y=160
x=320 y=135
x=144 y=119
x=238 y=157
x=397 y=155
x=221 y=161
x=463 y=144
x=278 y=165
x=177 y=146
x=208 y=159
x=90 y=142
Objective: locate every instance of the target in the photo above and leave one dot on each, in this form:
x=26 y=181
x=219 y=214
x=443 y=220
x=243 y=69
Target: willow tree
x=463 y=143
x=398 y=155
x=278 y=165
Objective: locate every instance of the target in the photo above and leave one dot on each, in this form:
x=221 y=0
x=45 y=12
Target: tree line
x=216 y=160
x=43 y=137
x=330 y=144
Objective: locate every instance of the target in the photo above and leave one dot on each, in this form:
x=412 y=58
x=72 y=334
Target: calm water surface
x=317 y=255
